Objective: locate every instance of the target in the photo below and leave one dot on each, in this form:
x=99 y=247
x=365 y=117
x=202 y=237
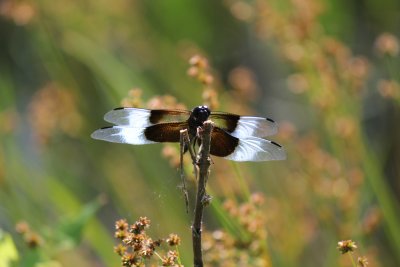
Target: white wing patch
x=124 y=135
x=254 y=126
x=133 y=117
x=257 y=149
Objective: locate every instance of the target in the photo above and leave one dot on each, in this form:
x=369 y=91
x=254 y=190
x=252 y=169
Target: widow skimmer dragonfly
x=234 y=137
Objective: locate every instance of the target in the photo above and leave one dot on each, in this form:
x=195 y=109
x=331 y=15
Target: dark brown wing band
x=222 y=143
x=165 y=132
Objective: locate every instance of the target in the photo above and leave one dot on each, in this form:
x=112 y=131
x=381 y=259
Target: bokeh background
x=326 y=71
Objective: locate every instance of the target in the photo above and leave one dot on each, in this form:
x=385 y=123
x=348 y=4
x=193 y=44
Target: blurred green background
x=326 y=71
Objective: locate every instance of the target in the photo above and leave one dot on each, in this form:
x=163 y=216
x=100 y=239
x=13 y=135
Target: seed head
x=139 y=225
x=121 y=225
x=22 y=227
x=173 y=240
x=387 y=44
x=170 y=258
x=345 y=246
x=120 y=234
x=362 y=261
x=33 y=240
x=198 y=61
x=128 y=259
x=120 y=249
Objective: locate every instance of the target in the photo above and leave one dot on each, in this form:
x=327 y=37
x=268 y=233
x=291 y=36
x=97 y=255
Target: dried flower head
x=120 y=249
x=345 y=246
x=120 y=234
x=199 y=70
x=139 y=225
x=222 y=247
x=21 y=12
x=193 y=71
x=137 y=247
x=387 y=44
x=164 y=102
x=198 y=61
x=173 y=240
x=170 y=259
x=22 y=227
x=244 y=82
x=53 y=109
x=362 y=261
x=31 y=238
x=129 y=259
x=144 y=221
x=134 y=98
x=241 y=10
x=121 y=225
x=148 y=248
x=389 y=88
x=345 y=126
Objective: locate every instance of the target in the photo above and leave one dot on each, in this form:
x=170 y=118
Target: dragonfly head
x=200 y=114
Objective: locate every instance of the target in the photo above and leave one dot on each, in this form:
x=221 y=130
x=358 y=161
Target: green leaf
x=71 y=229
x=8 y=252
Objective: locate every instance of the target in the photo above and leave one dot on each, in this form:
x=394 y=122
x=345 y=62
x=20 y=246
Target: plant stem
x=352 y=260
x=203 y=163
x=184 y=140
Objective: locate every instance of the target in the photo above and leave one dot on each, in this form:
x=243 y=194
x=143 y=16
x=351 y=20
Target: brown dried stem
x=203 y=163
x=185 y=142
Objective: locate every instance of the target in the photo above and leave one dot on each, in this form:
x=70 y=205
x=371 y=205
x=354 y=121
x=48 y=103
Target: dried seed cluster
x=31 y=238
x=137 y=247
x=346 y=246
x=248 y=249
x=200 y=70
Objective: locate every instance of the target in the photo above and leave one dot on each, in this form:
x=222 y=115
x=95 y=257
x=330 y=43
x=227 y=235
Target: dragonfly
x=233 y=137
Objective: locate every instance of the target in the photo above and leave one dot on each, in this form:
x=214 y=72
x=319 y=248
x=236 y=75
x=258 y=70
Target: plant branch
x=184 y=140
x=203 y=163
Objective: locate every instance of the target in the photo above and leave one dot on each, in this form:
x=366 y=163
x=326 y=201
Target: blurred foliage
x=327 y=71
